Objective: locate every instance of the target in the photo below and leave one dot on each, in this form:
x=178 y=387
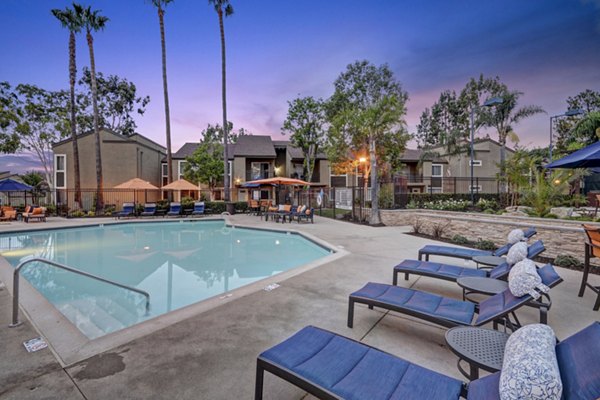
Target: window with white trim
x=180 y=168
x=476 y=163
x=164 y=174
x=60 y=171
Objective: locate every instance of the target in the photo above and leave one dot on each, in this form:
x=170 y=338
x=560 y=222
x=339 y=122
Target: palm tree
x=93 y=21
x=160 y=5
x=69 y=19
x=223 y=7
x=504 y=116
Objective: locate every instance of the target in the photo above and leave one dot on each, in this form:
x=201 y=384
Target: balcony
x=262 y=175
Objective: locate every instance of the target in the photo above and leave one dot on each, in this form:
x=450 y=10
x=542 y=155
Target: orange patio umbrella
x=279 y=181
x=180 y=184
x=136 y=184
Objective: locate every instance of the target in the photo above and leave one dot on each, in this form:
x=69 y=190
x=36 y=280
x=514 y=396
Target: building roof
x=254 y=146
x=417 y=155
x=188 y=149
x=133 y=137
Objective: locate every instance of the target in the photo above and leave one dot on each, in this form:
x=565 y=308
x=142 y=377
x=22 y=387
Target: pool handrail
x=15 y=313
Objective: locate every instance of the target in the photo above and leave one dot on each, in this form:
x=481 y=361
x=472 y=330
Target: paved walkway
x=212 y=355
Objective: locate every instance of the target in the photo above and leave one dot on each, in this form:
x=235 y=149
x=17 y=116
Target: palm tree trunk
x=99 y=184
x=502 y=163
x=161 y=14
x=72 y=78
x=224 y=94
x=374 y=220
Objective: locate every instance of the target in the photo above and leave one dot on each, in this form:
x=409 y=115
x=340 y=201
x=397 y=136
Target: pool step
x=114 y=307
x=91 y=319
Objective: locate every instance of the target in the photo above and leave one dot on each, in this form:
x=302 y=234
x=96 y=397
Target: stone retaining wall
x=559 y=236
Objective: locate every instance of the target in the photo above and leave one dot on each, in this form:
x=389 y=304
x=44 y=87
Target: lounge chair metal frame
x=502 y=318
x=536 y=250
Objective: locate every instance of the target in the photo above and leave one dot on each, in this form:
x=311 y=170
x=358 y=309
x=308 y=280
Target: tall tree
x=117 y=101
x=502 y=117
x=224 y=8
x=575 y=132
x=92 y=21
x=69 y=20
x=9 y=119
x=446 y=123
x=160 y=6
x=305 y=122
x=367 y=112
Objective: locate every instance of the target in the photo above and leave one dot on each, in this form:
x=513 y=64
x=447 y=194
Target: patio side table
x=480 y=285
x=480 y=348
x=488 y=261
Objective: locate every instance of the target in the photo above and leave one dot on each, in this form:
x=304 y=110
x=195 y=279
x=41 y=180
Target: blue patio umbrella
x=588 y=157
x=10 y=185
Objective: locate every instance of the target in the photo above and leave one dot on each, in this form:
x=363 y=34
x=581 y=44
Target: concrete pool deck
x=212 y=355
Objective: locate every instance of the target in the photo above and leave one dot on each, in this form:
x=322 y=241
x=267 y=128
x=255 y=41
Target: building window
x=180 y=168
x=60 y=171
x=476 y=163
x=164 y=174
x=339 y=180
x=259 y=170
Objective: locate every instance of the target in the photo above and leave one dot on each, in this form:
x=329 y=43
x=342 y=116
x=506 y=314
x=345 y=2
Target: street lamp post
x=569 y=113
x=494 y=101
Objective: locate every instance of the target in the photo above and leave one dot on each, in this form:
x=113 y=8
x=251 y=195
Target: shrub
x=459 y=239
x=489 y=211
x=77 y=214
x=412 y=204
x=552 y=216
x=487 y=204
x=447 y=205
x=386 y=197
x=187 y=203
x=439 y=229
x=91 y=213
x=51 y=209
x=417 y=225
x=485 y=245
x=566 y=261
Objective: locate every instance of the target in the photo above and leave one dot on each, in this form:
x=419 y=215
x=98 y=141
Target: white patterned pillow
x=523 y=279
x=530 y=370
x=516 y=253
x=516 y=236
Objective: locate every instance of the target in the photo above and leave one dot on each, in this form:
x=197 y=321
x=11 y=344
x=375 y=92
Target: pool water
x=178 y=263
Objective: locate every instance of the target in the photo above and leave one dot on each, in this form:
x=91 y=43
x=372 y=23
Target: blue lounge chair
x=128 y=210
x=452 y=272
x=149 y=210
x=198 y=208
x=467 y=254
x=333 y=367
x=174 y=209
x=450 y=312
x=309 y=216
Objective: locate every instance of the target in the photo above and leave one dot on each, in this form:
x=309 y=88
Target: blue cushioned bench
x=333 y=367
x=449 y=312
x=467 y=254
x=452 y=272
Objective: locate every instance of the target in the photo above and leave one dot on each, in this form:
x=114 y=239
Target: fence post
x=454 y=185
x=353 y=206
x=333 y=203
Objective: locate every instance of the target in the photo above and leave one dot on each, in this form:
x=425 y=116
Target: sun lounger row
x=330 y=366
x=151 y=210
x=289 y=212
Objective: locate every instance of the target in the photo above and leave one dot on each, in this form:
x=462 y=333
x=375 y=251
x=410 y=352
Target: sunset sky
x=278 y=50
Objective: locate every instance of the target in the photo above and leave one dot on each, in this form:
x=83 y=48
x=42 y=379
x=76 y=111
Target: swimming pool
x=178 y=263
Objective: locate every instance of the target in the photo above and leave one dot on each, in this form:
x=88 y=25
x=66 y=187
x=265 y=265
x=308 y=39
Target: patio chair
x=592 y=249
x=174 y=209
x=307 y=215
x=8 y=213
x=467 y=254
x=332 y=367
x=449 y=312
x=198 y=208
x=149 y=210
x=34 y=213
x=128 y=211
x=452 y=272
x=254 y=207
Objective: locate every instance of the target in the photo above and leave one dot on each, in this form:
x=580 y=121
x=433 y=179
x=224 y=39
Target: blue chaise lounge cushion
x=354 y=371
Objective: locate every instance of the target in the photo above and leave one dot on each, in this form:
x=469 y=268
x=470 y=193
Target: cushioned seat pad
x=355 y=371
x=579 y=364
x=460 y=312
x=457 y=252
x=443 y=271
x=485 y=388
